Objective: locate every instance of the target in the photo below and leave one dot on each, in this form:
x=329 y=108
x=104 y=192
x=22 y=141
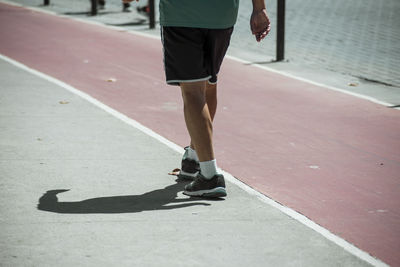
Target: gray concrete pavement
x=335 y=43
x=121 y=207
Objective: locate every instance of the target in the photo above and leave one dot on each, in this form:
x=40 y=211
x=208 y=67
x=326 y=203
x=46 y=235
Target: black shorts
x=193 y=54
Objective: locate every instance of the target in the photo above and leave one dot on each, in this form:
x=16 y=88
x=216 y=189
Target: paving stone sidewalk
x=359 y=37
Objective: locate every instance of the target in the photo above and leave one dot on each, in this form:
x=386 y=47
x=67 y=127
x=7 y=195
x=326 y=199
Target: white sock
x=192 y=154
x=209 y=168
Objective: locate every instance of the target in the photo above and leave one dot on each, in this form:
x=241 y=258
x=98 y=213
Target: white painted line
x=91 y=22
x=369 y=98
x=97 y=103
x=311 y=82
x=292 y=213
x=309 y=223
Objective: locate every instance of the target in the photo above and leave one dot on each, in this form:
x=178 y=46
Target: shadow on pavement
x=88 y=13
x=134 y=23
x=153 y=200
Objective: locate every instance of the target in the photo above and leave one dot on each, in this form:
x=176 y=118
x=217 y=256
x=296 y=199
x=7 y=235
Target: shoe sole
x=215 y=192
x=187 y=175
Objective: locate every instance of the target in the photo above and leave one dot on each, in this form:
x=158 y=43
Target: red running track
x=332 y=157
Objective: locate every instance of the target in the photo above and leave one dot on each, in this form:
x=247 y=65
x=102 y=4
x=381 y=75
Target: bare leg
x=211 y=100
x=198 y=118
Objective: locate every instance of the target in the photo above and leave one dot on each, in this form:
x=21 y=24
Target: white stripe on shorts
x=189 y=81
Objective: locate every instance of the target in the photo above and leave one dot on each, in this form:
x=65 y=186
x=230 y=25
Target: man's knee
x=193 y=90
x=211 y=86
x=211 y=90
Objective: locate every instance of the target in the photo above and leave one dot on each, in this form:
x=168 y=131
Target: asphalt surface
x=82 y=188
x=44 y=55
x=352 y=45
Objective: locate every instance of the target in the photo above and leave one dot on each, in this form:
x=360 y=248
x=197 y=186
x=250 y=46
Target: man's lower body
x=125 y=5
x=192 y=59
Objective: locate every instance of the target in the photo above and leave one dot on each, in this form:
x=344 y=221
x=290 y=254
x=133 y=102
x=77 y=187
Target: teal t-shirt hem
x=209 y=25
x=210 y=14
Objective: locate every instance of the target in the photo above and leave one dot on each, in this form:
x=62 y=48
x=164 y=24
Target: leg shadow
x=137 y=22
x=88 y=13
x=160 y=199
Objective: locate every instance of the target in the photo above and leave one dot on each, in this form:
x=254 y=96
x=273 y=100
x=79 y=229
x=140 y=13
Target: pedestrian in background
x=144 y=9
x=195 y=36
x=125 y=5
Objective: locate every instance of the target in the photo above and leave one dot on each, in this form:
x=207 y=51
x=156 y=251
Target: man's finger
x=263 y=34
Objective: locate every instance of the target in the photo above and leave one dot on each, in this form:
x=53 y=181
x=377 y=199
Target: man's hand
x=259 y=23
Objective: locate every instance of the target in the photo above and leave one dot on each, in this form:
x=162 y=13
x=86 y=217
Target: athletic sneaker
x=202 y=187
x=102 y=4
x=126 y=7
x=190 y=167
x=145 y=10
